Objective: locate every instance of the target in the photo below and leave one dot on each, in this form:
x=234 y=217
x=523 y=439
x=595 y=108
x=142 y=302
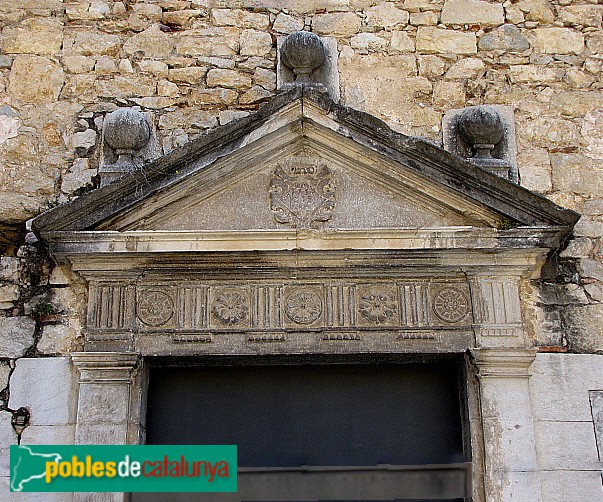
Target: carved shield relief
x=302 y=193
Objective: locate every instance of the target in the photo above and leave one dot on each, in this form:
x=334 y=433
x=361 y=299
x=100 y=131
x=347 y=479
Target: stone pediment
x=302 y=163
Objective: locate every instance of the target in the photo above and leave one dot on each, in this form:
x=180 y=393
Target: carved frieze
x=154 y=307
x=302 y=192
x=377 y=305
x=212 y=307
x=303 y=306
x=451 y=304
x=230 y=307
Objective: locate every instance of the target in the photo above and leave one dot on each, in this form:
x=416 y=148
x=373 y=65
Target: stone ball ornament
x=481 y=125
x=303 y=52
x=126 y=130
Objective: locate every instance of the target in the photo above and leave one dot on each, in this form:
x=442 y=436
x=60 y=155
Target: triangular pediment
x=303 y=162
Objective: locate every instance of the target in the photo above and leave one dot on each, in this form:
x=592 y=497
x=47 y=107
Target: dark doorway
x=320 y=432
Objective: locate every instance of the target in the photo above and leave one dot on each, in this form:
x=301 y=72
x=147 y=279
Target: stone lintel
x=504 y=362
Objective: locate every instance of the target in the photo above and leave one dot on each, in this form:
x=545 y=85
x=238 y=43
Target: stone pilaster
x=108 y=405
x=497 y=311
x=509 y=440
x=106 y=395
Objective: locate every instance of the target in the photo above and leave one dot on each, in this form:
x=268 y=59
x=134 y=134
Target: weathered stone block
x=566 y=445
x=191 y=75
x=152 y=43
x=181 y=17
x=584 y=327
x=239 y=18
x=287 y=24
x=535 y=169
x=213 y=97
x=577 y=103
x=386 y=15
x=506 y=38
x=577 y=174
x=449 y=94
x=59 y=338
x=188 y=118
x=78 y=64
x=48 y=434
x=9 y=293
x=16 y=335
x=534 y=74
x=537 y=10
x=85 y=139
x=34 y=36
x=218 y=77
x=561 y=485
x=338 y=24
x=4 y=372
x=265 y=78
x=423 y=19
x=35 y=79
x=467 y=68
x=9 y=268
x=97 y=44
x=255 y=43
x=7 y=437
x=255 y=94
x=401 y=43
x=557 y=40
x=227 y=116
x=368 y=42
x=472 y=12
x=157 y=68
x=582 y=15
x=47 y=387
x=434 y=40
x=208 y=42
x=124 y=87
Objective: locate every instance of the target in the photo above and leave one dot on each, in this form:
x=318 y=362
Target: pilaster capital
x=504 y=363
x=102 y=367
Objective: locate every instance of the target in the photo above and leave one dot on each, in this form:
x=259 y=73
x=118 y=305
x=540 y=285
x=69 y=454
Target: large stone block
x=7 y=437
x=239 y=18
x=152 y=43
x=190 y=75
x=35 y=79
x=34 y=36
x=47 y=387
x=386 y=15
x=124 y=87
x=473 y=12
x=506 y=38
x=218 y=77
x=577 y=174
x=535 y=169
x=16 y=335
x=562 y=486
x=59 y=338
x=255 y=43
x=537 y=10
x=208 y=42
x=97 y=44
x=557 y=40
x=584 y=325
x=287 y=24
x=48 y=434
x=566 y=445
x=534 y=74
x=337 y=24
x=432 y=40
x=401 y=42
x=581 y=15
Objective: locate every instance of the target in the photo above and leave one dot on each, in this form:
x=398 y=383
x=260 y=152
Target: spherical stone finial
x=126 y=130
x=303 y=52
x=481 y=126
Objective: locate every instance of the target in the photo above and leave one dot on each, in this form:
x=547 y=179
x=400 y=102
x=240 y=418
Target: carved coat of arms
x=302 y=194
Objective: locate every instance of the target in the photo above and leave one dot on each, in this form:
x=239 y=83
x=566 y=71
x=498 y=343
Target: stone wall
x=196 y=64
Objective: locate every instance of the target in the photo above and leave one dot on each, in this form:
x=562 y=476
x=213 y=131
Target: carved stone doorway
x=389 y=430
